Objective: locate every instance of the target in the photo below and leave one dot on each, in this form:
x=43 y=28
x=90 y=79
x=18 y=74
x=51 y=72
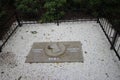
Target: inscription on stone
x=37 y=50
x=73 y=50
x=53 y=59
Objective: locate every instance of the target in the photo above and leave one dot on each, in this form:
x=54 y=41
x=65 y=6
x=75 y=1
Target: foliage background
x=51 y=10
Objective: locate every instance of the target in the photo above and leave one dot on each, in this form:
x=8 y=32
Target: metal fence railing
x=112 y=35
x=69 y=15
x=8 y=29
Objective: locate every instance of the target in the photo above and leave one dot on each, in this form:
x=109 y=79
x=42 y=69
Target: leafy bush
x=2 y=14
x=77 y=4
x=105 y=7
x=2 y=10
x=27 y=6
x=95 y=6
x=53 y=10
x=3 y=17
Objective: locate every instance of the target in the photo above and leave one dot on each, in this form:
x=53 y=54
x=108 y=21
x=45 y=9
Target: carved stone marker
x=50 y=52
x=55 y=49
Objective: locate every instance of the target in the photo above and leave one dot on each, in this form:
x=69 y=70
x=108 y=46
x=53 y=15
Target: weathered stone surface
x=46 y=52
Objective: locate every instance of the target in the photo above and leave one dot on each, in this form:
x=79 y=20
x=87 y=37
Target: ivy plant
x=54 y=10
x=27 y=6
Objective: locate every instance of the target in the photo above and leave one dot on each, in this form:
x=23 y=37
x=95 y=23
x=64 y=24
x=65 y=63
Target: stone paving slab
x=72 y=53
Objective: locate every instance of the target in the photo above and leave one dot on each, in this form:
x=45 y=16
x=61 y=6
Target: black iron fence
x=70 y=15
x=8 y=28
x=112 y=35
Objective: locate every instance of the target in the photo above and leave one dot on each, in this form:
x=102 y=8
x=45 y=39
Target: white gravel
x=100 y=63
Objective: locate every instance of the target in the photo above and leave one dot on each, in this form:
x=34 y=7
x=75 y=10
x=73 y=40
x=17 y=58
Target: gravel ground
x=100 y=63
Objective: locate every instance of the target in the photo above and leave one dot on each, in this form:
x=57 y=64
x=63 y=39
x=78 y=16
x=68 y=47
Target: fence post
x=0 y=49
x=18 y=20
x=57 y=22
x=97 y=20
x=57 y=17
x=114 y=39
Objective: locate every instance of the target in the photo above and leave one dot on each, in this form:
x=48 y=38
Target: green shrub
x=95 y=6
x=54 y=10
x=27 y=6
x=3 y=16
